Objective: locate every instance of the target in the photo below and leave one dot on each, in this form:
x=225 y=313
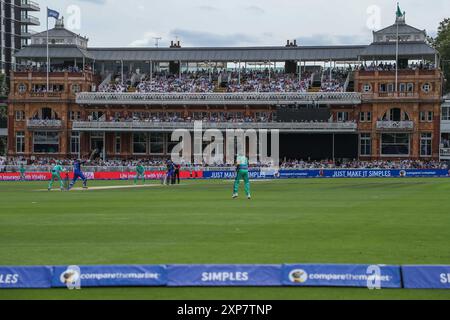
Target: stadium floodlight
x=157 y=39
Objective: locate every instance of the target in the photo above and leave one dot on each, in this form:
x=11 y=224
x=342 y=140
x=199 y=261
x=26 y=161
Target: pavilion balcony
x=395 y=125
x=44 y=124
x=445 y=153
x=325 y=98
x=401 y=73
x=392 y=95
x=148 y=126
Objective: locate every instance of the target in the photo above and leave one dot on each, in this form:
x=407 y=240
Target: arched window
x=396 y=114
x=46 y=113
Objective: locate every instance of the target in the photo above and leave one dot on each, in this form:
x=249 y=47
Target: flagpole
x=48 y=58
x=396 y=61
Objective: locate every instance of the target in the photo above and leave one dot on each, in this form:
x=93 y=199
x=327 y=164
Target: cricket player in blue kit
x=170 y=172
x=77 y=173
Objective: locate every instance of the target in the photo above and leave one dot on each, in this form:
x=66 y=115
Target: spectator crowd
x=41 y=162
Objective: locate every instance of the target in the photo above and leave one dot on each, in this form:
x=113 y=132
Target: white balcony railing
x=309 y=127
x=100 y=98
x=395 y=125
x=445 y=152
x=44 y=124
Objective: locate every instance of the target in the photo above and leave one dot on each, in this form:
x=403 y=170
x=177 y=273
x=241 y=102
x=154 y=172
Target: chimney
x=171 y=44
x=178 y=44
x=295 y=43
x=287 y=43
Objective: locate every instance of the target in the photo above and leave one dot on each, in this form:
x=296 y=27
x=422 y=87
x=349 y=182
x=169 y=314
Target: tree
x=3 y=87
x=442 y=44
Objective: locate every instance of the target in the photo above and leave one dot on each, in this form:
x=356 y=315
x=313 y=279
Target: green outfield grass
x=374 y=221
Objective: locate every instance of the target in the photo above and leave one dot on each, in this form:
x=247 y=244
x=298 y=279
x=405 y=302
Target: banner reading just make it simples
x=331 y=173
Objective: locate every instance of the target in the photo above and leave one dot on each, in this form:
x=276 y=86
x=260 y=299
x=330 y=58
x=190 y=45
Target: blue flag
x=52 y=14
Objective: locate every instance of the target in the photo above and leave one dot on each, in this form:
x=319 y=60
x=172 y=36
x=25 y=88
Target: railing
x=342 y=98
x=45 y=94
x=30 y=20
x=390 y=95
x=44 y=124
x=401 y=72
x=395 y=125
x=171 y=126
x=445 y=152
x=30 y=5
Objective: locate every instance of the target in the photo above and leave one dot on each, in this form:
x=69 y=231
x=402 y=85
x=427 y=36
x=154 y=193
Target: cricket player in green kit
x=140 y=173
x=22 y=173
x=242 y=173
x=56 y=175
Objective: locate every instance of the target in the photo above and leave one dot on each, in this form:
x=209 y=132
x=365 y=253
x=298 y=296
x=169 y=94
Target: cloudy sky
x=238 y=22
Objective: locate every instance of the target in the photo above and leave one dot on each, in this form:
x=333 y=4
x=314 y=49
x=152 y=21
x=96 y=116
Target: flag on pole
x=399 y=11
x=52 y=14
x=400 y=15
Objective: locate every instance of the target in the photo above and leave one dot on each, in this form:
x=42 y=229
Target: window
x=22 y=88
x=74 y=115
x=365 y=116
x=426 y=87
x=395 y=114
x=426 y=116
x=75 y=88
x=96 y=116
x=426 y=144
x=20 y=142
x=446 y=113
x=20 y=115
x=390 y=87
x=410 y=87
x=139 y=143
x=117 y=144
x=46 y=142
x=156 y=143
x=342 y=116
x=395 y=144
x=367 y=87
x=75 y=143
x=402 y=87
x=365 y=144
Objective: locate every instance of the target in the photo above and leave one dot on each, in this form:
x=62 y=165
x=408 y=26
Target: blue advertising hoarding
x=224 y=275
x=426 y=277
x=109 y=276
x=340 y=275
x=25 y=277
x=331 y=173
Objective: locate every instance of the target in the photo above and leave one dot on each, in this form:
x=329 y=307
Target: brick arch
x=39 y=112
x=387 y=109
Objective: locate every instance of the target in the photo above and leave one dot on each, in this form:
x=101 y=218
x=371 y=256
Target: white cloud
x=239 y=22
